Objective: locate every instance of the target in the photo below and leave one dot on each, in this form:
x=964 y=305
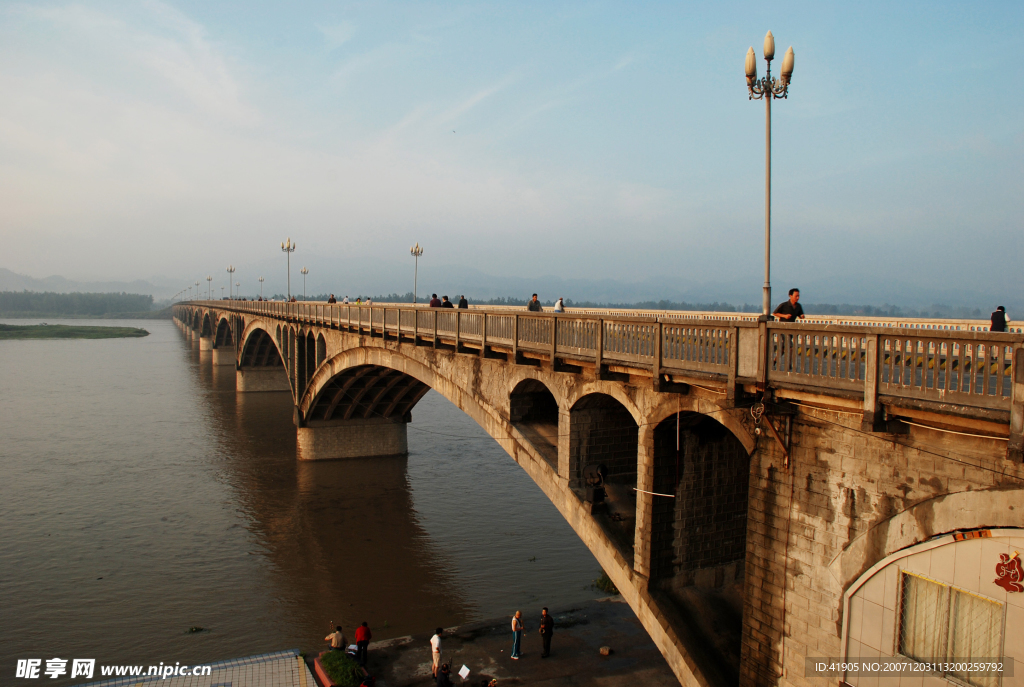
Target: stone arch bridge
x=755 y=474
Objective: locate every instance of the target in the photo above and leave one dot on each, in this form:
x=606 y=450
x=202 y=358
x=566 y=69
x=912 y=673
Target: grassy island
x=63 y=331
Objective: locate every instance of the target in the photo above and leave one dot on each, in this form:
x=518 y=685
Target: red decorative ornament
x=1010 y=574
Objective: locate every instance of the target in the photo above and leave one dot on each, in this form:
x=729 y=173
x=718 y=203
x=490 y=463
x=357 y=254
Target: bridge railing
x=963 y=367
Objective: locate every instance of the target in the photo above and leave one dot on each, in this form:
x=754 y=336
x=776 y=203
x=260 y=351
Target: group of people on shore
x=442 y=671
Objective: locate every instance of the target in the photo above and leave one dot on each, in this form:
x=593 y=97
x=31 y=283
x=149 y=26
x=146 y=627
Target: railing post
x=554 y=340
x=458 y=329
x=1015 y=446
x=873 y=420
x=515 y=339
x=483 y=335
x=733 y=351
x=435 y=327
x=656 y=364
x=599 y=348
x=415 y=327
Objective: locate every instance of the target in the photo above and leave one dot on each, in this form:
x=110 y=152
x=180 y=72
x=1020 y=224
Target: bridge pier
x=355 y=438
x=223 y=356
x=205 y=343
x=270 y=378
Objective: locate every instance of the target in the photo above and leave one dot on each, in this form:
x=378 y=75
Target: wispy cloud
x=477 y=98
x=338 y=34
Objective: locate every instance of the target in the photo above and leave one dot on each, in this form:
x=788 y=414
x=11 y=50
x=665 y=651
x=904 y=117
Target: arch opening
x=207 y=327
x=367 y=392
x=224 y=336
x=699 y=535
x=602 y=432
x=260 y=351
x=533 y=411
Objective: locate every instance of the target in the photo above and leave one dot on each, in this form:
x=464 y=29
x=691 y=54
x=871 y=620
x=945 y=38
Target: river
x=140 y=496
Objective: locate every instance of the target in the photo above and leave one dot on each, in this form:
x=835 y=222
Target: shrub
x=605 y=584
x=342 y=669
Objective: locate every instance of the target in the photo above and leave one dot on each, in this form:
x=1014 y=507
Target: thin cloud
x=338 y=34
x=477 y=98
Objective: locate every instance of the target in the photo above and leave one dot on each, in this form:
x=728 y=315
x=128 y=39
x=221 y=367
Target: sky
x=586 y=141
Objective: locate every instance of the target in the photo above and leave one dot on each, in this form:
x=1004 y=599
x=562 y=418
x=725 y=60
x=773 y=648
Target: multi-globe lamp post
x=209 y=287
x=768 y=89
x=231 y=273
x=304 y=271
x=416 y=251
x=197 y=291
x=261 y=288
x=238 y=290
x=288 y=247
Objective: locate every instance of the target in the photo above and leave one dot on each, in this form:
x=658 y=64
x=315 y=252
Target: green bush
x=342 y=669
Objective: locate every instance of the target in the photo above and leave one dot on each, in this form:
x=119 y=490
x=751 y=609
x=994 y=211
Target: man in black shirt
x=445 y=303
x=789 y=311
x=998 y=320
x=534 y=305
x=463 y=303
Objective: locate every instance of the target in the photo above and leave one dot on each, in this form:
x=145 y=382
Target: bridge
x=769 y=491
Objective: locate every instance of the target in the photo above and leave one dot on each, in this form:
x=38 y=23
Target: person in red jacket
x=363 y=637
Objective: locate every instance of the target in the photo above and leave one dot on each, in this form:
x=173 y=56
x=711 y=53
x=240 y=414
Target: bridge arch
x=224 y=336
x=207 y=326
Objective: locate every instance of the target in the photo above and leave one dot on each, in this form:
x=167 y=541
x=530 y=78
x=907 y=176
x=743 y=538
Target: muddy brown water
x=141 y=496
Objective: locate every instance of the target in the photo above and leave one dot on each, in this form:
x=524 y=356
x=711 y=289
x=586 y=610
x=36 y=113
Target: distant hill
x=12 y=281
x=98 y=305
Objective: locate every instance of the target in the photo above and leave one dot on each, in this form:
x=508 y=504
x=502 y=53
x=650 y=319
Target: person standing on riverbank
x=547 y=628
x=517 y=634
x=363 y=636
x=337 y=639
x=435 y=650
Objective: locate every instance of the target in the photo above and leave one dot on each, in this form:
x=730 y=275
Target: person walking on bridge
x=435 y=302
x=463 y=303
x=332 y=299
x=534 y=305
x=791 y=310
x=999 y=320
x=445 y=303
x=559 y=306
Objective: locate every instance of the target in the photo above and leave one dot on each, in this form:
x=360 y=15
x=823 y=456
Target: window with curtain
x=937 y=621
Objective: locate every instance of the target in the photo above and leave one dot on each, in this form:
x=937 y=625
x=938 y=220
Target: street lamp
x=416 y=251
x=190 y=293
x=289 y=248
x=222 y=293
x=231 y=271
x=304 y=273
x=197 y=290
x=209 y=287
x=768 y=89
x=237 y=291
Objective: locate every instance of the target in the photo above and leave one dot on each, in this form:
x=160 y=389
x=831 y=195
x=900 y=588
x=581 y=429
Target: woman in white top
x=517 y=633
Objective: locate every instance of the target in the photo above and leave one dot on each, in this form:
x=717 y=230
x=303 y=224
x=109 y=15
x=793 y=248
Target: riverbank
x=64 y=331
x=483 y=647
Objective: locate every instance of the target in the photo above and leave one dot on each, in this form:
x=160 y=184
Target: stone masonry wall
x=603 y=435
x=844 y=486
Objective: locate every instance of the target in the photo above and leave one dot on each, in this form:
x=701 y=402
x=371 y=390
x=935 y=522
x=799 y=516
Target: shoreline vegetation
x=64 y=331
x=124 y=306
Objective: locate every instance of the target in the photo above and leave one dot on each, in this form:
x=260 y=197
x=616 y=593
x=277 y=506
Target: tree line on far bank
x=41 y=303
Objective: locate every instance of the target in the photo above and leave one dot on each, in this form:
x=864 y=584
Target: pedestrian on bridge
x=332 y=299
x=463 y=303
x=445 y=303
x=559 y=306
x=435 y=302
x=999 y=320
x=534 y=305
x=791 y=310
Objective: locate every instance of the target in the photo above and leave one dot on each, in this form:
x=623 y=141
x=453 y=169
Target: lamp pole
x=238 y=291
x=222 y=293
x=197 y=291
x=209 y=287
x=768 y=89
x=190 y=293
x=304 y=273
x=416 y=251
x=289 y=248
x=231 y=272
x=261 y=288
